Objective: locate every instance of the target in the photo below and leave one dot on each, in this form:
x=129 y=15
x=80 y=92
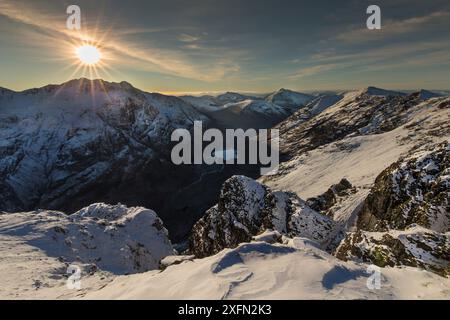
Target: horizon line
x=218 y=92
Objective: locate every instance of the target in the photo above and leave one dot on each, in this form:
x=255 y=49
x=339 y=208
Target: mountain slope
x=290 y=100
x=356 y=138
x=235 y=110
x=102 y=240
x=258 y=270
x=353 y=140
x=60 y=143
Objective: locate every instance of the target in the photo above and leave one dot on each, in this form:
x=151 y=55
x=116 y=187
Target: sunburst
x=88 y=54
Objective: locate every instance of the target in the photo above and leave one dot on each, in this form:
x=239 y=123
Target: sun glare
x=88 y=55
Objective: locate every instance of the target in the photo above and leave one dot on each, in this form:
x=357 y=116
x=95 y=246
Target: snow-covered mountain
x=203 y=103
x=60 y=143
x=233 y=97
x=258 y=107
x=322 y=102
x=113 y=238
x=364 y=180
x=235 y=110
x=356 y=138
x=210 y=103
x=374 y=91
x=425 y=94
x=290 y=100
x=356 y=114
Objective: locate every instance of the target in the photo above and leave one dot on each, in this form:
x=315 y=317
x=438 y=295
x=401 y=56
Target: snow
x=288 y=98
x=359 y=158
x=323 y=102
x=297 y=270
x=269 y=236
x=59 y=140
x=316 y=171
x=112 y=244
x=257 y=107
x=116 y=239
x=203 y=103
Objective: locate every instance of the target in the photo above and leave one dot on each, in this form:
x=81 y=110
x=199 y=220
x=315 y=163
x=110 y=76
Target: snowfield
x=258 y=270
x=37 y=247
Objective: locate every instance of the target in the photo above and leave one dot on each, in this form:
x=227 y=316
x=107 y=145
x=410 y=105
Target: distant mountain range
x=364 y=179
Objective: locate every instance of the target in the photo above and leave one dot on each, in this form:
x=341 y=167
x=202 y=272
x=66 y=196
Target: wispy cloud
x=188 y=38
x=392 y=28
x=313 y=70
x=142 y=57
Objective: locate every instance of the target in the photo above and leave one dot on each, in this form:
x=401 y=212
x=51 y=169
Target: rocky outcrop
x=327 y=200
x=414 y=247
x=115 y=238
x=247 y=208
x=413 y=190
x=405 y=220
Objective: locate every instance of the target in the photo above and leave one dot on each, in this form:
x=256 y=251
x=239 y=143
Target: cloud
x=137 y=55
x=395 y=28
x=188 y=38
x=309 y=71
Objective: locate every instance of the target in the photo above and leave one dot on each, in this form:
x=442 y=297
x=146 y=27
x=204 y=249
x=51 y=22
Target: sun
x=88 y=54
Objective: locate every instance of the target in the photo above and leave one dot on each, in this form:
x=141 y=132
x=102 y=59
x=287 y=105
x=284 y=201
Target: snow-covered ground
x=258 y=270
x=38 y=247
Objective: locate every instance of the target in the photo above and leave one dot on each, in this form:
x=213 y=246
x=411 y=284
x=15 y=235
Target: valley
x=363 y=181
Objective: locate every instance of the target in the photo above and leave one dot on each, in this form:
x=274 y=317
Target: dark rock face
x=65 y=147
x=415 y=190
x=415 y=247
x=247 y=208
x=327 y=200
x=406 y=217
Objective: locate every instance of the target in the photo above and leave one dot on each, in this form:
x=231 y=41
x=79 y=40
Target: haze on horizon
x=176 y=46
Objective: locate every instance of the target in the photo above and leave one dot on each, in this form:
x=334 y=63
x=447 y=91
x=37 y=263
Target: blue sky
x=176 y=46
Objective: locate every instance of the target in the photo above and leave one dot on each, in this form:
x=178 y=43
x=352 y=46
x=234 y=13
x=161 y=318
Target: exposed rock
x=247 y=208
x=327 y=200
x=414 y=247
x=413 y=190
x=406 y=217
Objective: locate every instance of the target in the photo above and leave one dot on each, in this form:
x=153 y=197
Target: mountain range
x=364 y=180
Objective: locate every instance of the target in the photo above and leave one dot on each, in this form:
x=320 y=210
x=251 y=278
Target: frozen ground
x=260 y=270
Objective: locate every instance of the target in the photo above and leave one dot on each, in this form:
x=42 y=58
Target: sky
x=193 y=46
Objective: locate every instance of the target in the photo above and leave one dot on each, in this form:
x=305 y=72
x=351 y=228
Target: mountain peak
x=96 y=82
x=5 y=90
x=425 y=94
x=374 y=91
x=84 y=85
x=282 y=90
